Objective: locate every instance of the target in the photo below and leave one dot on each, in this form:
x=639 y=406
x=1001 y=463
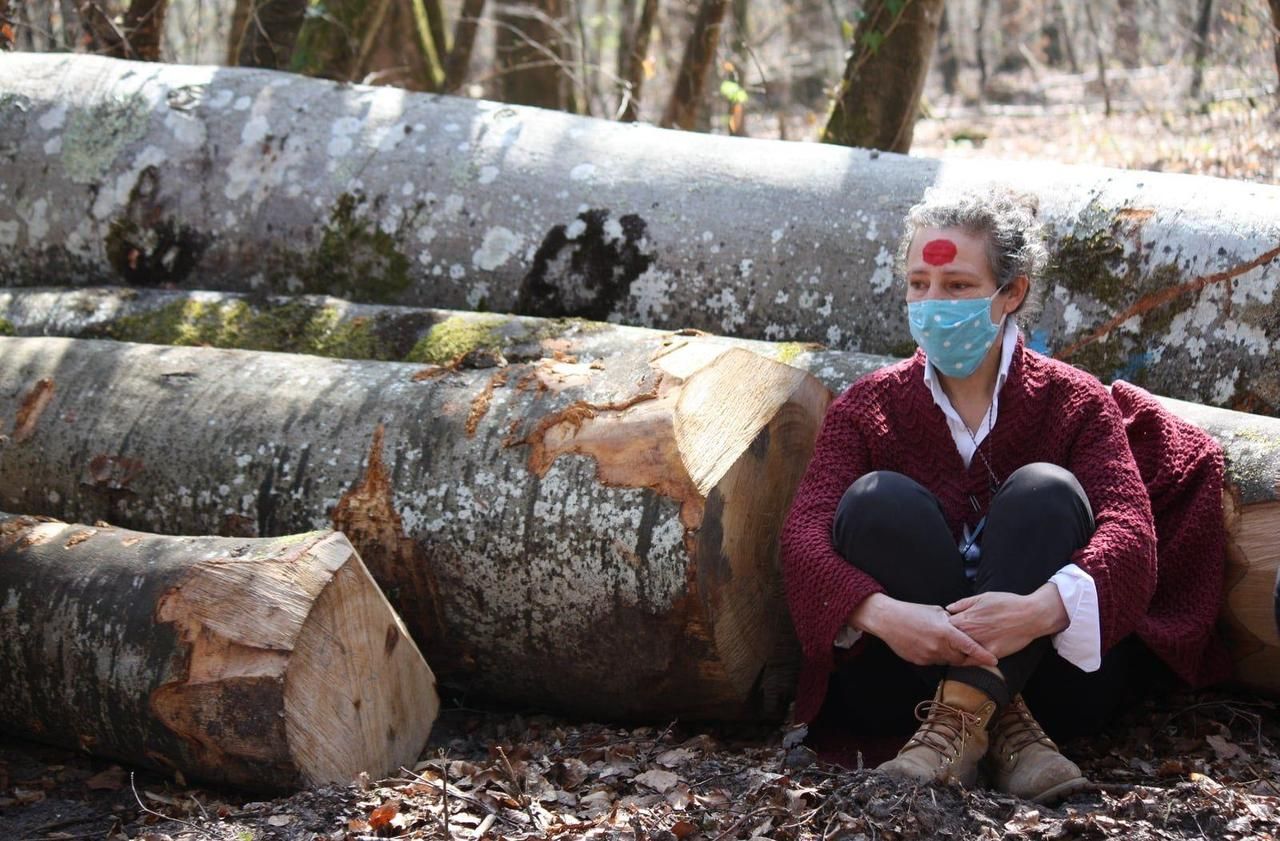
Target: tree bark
x=377 y=40
x=6 y=26
x=225 y=659
x=1101 y=58
x=879 y=97
x=585 y=537
x=144 y=27
x=161 y=179
x=686 y=102
x=1275 y=36
x=1251 y=506
x=633 y=73
x=331 y=327
x=531 y=55
x=1203 y=21
x=464 y=39
x=949 y=57
x=1128 y=40
x=263 y=32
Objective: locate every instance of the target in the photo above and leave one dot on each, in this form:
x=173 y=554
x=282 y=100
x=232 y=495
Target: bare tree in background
x=686 y=102
x=464 y=40
x=1100 y=56
x=533 y=51
x=633 y=49
x=379 y=41
x=879 y=96
x=1128 y=42
x=6 y=26
x=263 y=32
x=1203 y=20
x=1275 y=35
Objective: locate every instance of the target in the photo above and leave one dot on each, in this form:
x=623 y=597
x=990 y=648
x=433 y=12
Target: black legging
x=892 y=528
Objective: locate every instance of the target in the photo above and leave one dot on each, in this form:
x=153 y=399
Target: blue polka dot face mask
x=955 y=333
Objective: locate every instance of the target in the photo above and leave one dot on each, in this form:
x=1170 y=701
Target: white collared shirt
x=1081 y=642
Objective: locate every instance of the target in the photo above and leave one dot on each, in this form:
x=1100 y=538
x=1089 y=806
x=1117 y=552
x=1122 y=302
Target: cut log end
x=746 y=449
x=358 y=701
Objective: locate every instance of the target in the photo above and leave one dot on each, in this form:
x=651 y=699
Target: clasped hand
x=974 y=631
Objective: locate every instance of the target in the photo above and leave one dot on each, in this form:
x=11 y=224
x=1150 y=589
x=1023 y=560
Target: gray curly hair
x=1015 y=237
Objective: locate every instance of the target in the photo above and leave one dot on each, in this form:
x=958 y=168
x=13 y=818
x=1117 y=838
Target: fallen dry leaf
x=658 y=780
x=109 y=780
x=382 y=815
x=1223 y=748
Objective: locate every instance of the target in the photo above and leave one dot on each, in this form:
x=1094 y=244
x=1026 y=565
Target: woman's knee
x=884 y=499
x=1043 y=486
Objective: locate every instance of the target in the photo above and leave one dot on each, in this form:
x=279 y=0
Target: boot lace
x=944 y=729
x=1017 y=729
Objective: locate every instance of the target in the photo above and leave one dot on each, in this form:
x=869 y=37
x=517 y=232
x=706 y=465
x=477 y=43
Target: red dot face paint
x=939 y=252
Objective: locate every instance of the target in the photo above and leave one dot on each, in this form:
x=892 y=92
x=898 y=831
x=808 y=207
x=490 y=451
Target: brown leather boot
x=1025 y=762
x=952 y=737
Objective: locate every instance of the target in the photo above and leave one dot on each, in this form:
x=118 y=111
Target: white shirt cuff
x=1081 y=643
x=846 y=637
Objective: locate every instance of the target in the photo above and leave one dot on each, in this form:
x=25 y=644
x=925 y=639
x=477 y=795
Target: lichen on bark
x=96 y=135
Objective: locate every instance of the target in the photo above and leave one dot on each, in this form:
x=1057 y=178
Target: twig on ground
x=149 y=811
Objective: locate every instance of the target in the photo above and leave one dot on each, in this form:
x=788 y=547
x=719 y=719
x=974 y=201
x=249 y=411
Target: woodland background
x=1179 y=85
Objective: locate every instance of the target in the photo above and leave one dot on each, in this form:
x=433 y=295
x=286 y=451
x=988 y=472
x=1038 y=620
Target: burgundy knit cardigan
x=1049 y=412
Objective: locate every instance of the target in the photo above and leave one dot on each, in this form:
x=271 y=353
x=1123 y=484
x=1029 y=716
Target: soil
x=1199 y=765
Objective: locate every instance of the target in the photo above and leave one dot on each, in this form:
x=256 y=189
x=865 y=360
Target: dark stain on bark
x=589 y=275
x=147 y=248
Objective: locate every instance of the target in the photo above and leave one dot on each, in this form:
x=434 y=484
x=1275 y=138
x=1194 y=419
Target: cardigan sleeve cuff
x=1081 y=643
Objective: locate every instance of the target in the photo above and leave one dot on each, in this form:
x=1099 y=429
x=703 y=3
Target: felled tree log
x=264 y=663
x=152 y=175
x=1251 y=505
x=598 y=538
x=324 y=326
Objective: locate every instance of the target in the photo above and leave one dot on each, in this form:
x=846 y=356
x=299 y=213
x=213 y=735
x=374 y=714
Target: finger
x=970 y=649
x=963 y=604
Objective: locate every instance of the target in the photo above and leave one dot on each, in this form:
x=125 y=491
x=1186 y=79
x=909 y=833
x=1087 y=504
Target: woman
x=973 y=524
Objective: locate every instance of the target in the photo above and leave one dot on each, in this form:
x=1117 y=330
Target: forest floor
x=1189 y=766
x=1236 y=139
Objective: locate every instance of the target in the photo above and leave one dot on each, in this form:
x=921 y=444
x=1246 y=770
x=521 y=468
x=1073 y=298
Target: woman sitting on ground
x=974 y=525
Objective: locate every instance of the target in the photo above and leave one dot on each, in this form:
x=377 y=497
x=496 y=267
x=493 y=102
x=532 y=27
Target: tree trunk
x=6 y=26
x=375 y=40
x=263 y=32
x=879 y=97
x=1203 y=21
x=144 y=27
x=464 y=39
x=161 y=179
x=980 y=44
x=948 y=56
x=1128 y=41
x=1251 y=503
x=531 y=55
x=1275 y=36
x=633 y=74
x=400 y=53
x=231 y=660
x=585 y=537
x=102 y=36
x=686 y=102
x=334 y=328
x=1101 y=58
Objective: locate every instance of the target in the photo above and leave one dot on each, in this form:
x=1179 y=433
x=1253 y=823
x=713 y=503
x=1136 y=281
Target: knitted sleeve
x=1121 y=555
x=822 y=588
